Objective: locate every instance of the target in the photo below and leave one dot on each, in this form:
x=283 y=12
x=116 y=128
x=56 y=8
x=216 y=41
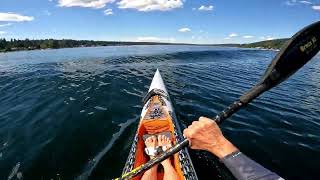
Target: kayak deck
x=158 y=116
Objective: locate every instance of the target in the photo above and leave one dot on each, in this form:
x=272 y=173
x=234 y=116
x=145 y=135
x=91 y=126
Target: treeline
x=270 y=44
x=27 y=44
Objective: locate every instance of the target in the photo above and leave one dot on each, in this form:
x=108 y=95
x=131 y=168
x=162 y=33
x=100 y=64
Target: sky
x=177 y=21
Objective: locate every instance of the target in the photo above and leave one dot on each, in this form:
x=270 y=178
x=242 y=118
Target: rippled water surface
x=72 y=113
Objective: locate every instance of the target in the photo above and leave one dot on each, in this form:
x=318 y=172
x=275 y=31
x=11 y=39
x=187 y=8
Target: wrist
x=223 y=148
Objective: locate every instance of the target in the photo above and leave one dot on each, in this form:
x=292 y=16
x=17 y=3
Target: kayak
x=158 y=117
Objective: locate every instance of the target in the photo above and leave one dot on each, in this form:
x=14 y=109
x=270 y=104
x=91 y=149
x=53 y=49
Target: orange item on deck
x=155 y=126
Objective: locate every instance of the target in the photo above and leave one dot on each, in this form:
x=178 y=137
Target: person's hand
x=206 y=135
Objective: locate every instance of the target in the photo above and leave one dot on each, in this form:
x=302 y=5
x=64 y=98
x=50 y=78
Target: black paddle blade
x=297 y=52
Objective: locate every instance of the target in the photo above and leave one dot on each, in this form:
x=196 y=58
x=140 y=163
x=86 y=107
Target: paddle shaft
x=296 y=53
x=234 y=107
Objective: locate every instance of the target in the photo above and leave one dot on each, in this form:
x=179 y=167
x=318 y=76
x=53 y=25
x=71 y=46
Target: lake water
x=72 y=113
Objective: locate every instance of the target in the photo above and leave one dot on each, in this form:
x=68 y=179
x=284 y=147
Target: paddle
x=297 y=52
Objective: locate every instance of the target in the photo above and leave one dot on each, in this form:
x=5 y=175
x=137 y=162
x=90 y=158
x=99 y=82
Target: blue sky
x=188 y=21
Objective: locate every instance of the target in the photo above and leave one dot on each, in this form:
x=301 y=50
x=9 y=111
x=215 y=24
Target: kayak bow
x=158 y=117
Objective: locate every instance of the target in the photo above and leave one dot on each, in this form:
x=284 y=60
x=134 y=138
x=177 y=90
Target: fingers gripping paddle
x=297 y=52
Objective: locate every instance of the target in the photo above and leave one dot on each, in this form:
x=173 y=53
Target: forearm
x=222 y=148
x=243 y=168
x=206 y=135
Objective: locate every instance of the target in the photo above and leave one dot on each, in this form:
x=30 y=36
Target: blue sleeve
x=243 y=168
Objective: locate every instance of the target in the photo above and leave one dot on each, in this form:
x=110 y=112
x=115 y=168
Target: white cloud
x=85 y=3
x=184 y=30
x=233 y=35
x=317 y=8
x=12 y=17
x=205 y=8
x=5 y=25
x=150 y=5
x=154 y=39
x=291 y=2
x=295 y=2
x=267 y=38
x=2 y=32
x=248 y=37
x=108 y=12
x=227 y=38
x=305 y=2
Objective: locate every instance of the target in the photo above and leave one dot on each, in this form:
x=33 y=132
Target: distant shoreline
x=28 y=45
x=33 y=49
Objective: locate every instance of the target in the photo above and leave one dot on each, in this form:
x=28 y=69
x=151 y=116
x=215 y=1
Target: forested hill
x=16 y=45
x=270 y=44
